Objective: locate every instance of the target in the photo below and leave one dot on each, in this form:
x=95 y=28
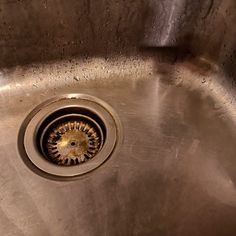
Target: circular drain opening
x=71 y=139
x=69 y=135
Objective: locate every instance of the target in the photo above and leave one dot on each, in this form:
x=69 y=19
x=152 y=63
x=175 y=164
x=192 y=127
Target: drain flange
x=69 y=135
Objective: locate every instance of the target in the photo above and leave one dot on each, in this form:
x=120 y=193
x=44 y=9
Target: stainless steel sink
x=170 y=78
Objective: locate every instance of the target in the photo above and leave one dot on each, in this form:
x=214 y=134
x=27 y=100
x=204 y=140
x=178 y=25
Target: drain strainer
x=72 y=142
x=69 y=135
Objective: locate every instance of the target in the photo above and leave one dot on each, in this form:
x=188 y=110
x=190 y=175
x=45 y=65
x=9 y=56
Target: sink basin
x=174 y=172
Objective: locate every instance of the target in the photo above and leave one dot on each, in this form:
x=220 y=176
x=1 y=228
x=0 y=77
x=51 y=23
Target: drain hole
x=66 y=138
x=70 y=136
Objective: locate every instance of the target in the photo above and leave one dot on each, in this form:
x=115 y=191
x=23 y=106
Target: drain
x=72 y=143
x=69 y=135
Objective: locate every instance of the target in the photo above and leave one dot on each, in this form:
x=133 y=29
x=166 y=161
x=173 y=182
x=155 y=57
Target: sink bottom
x=174 y=173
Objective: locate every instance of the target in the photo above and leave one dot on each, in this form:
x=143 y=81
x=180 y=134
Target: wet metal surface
x=174 y=173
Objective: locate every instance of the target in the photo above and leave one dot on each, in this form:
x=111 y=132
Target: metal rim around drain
x=68 y=136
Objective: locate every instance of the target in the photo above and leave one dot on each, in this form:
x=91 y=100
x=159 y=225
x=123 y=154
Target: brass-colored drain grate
x=72 y=142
